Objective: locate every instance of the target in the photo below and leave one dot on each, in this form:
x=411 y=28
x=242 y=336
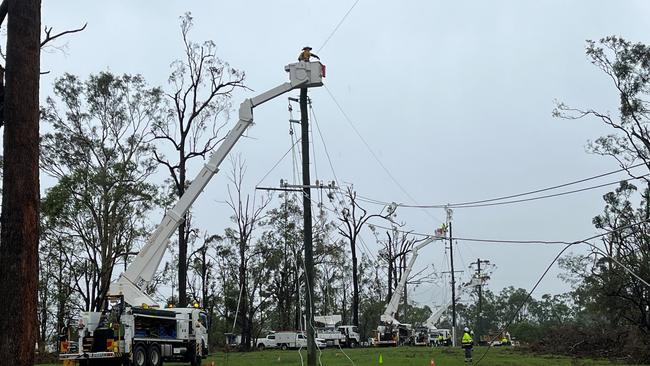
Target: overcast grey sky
x=454 y=97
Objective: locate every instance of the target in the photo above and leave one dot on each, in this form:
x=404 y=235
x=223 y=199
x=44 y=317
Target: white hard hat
x=466 y=329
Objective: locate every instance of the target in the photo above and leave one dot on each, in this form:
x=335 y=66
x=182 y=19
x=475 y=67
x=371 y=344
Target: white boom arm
x=462 y=290
x=140 y=272
x=389 y=314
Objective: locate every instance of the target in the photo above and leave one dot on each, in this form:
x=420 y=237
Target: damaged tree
x=202 y=85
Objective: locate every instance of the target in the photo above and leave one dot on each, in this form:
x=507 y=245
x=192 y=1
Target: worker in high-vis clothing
x=306 y=54
x=467 y=342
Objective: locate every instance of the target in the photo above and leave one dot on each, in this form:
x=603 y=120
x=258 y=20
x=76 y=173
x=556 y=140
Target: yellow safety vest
x=467 y=339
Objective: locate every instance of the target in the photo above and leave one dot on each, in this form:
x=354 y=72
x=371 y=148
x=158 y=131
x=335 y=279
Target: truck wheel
x=155 y=357
x=139 y=355
x=284 y=347
x=353 y=344
x=260 y=347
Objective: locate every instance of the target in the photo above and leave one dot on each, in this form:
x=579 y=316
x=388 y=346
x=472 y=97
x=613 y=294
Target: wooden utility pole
x=20 y=190
x=479 y=275
x=309 y=255
x=453 y=281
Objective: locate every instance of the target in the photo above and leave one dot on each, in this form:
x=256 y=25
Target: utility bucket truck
x=428 y=334
x=390 y=331
x=130 y=329
x=343 y=335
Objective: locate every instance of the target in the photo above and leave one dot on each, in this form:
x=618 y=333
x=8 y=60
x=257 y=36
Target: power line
x=550 y=242
x=372 y=152
x=552 y=195
x=313 y=144
x=568 y=245
x=479 y=240
x=337 y=191
x=549 y=188
x=327 y=154
x=337 y=26
x=492 y=203
x=278 y=162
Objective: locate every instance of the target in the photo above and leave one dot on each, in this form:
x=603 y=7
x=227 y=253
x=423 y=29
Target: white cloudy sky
x=454 y=98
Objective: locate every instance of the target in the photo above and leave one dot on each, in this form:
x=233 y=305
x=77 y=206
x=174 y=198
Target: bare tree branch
x=48 y=33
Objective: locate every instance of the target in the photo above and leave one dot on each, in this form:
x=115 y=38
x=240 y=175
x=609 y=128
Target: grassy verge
x=402 y=356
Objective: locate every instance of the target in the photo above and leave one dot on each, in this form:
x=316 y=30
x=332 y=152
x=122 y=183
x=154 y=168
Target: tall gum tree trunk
x=20 y=195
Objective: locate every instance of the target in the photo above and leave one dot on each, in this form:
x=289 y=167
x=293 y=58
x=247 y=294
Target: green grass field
x=402 y=356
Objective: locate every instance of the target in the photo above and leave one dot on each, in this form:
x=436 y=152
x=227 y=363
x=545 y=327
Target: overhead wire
x=320 y=133
x=336 y=191
x=337 y=26
x=539 y=280
x=363 y=246
x=460 y=256
x=493 y=201
x=466 y=247
x=550 y=188
x=551 y=195
x=277 y=163
x=313 y=144
x=372 y=152
x=552 y=242
x=500 y=241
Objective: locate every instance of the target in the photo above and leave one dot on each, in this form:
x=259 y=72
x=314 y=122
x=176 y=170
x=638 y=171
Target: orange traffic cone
x=433 y=363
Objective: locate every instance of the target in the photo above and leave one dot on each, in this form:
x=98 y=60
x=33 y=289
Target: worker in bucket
x=306 y=54
x=467 y=343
